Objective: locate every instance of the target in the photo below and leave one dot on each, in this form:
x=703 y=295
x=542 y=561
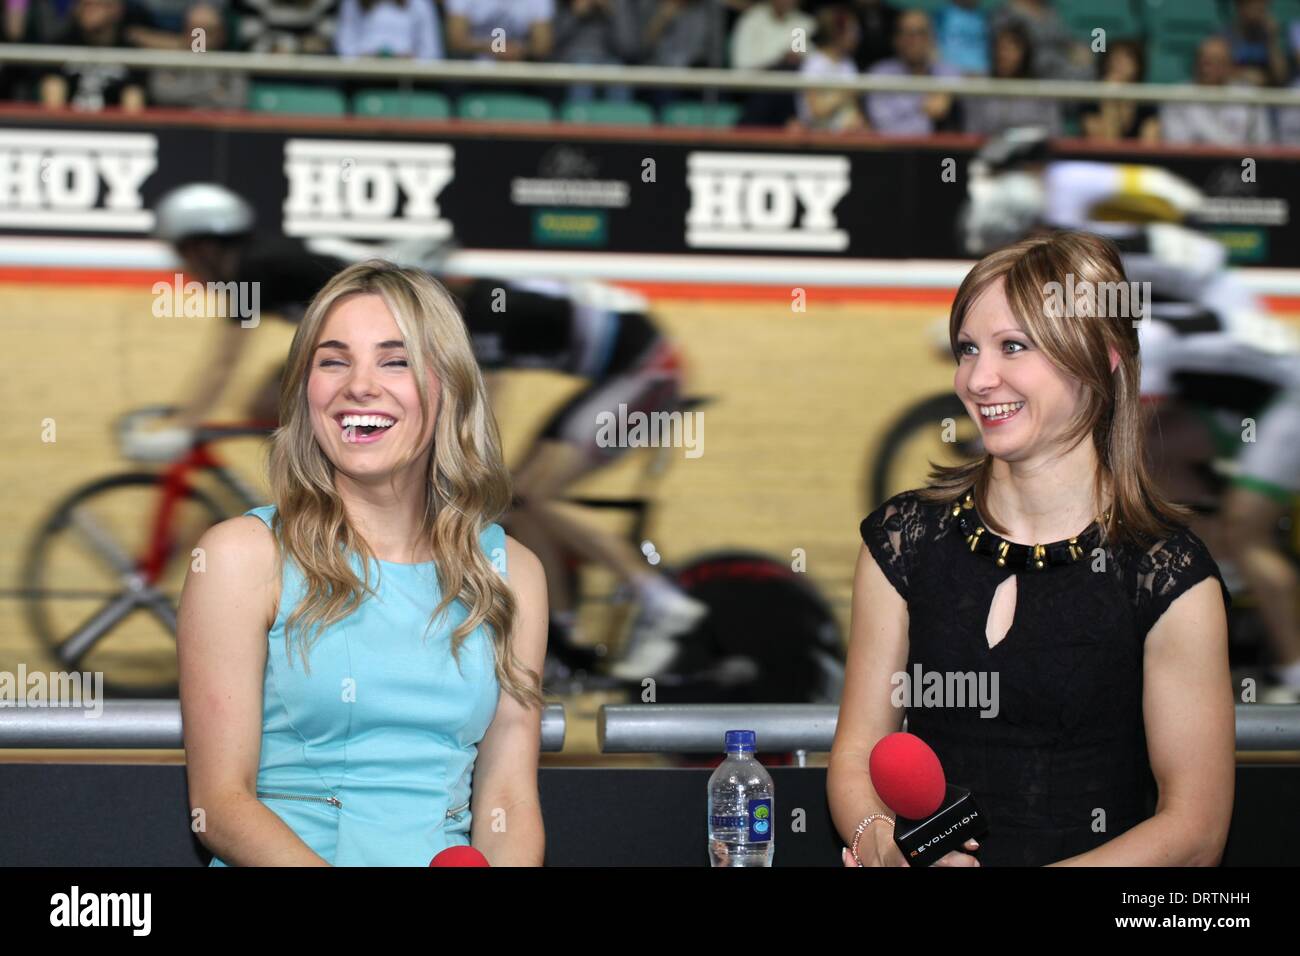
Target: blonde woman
x=1052 y=581
x=359 y=661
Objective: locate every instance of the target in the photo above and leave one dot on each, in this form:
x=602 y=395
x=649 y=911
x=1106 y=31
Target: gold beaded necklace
x=1008 y=553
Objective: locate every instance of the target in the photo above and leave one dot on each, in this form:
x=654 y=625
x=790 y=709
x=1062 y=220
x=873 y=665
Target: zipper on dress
x=332 y=801
x=455 y=812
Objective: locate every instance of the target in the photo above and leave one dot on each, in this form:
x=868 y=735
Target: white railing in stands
x=699 y=79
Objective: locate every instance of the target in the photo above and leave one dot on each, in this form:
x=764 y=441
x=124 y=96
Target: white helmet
x=202 y=209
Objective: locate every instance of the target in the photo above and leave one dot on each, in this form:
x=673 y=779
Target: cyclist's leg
x=568 y=449
x=1261 y=492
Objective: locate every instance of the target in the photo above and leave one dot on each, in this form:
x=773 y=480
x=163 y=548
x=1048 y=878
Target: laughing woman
x=1054 y=567
x=359 y=661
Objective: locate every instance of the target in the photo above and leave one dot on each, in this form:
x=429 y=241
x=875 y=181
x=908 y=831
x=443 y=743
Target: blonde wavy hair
x=1079 y=345
x=467 y=485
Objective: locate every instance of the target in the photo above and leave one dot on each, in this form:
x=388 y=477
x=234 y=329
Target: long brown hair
x=467 y=484
x=1079 y=345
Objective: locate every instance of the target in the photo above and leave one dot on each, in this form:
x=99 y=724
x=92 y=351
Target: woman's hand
x=885 y=852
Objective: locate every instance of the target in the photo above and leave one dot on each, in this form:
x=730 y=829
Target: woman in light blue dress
x=360 y=661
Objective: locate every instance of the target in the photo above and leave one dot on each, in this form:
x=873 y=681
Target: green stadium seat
x=1285 y=11
x=1116 y=17
x=603 y=111
x=505 y=107
x=929 y=6
x=413 y=104
x=1165 y=19
x=699 y=114
x=1171 y=62
x=302 y=100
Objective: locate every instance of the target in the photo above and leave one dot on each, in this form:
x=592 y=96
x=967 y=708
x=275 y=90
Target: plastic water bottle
x=742 y=819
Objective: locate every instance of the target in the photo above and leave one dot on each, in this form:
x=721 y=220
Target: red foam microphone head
x=907 y=775
x=459 y=856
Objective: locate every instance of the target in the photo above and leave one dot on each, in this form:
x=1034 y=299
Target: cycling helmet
x=1000 y=210
x=1013 y=148
x=202 y=209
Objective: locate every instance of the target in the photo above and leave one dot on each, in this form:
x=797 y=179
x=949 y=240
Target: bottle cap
x=740 y=741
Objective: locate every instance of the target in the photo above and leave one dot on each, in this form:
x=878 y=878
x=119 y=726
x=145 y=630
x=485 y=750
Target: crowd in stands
x=1253 y=43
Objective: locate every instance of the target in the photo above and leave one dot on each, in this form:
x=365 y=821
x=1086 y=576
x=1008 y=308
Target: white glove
x=157 y=444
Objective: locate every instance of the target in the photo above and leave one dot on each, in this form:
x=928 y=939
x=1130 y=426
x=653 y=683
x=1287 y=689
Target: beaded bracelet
x=862 y=827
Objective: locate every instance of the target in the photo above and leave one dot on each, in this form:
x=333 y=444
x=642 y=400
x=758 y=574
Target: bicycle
x=769 y=637
x=105 y=517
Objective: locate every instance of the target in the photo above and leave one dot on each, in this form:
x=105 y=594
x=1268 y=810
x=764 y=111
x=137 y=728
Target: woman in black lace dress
x=1053 y=575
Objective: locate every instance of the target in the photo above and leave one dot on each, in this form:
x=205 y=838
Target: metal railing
x=146 y=725
x=698 y=79
x=779 y=728
x=620 y=728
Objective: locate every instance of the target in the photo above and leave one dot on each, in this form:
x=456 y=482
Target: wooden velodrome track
x=798 y=400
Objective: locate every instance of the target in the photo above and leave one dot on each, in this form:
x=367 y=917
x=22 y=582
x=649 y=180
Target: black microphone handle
x=957 y=820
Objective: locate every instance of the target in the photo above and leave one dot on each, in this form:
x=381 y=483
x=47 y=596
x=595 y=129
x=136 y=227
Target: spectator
x=1216 y=124
x=1288 y=117
x=992 y=115
x=202 y=89
x=524 y=25
x=596 y=32
x=911 y=114
x=162 y=25
x=170 y=16
x=16 y=22
x=962 y=31
x=92 y=86
x=772 y=35
x=1057 y=55
x=877 y=24
x=287 y=26
x=1256 y=41
x=1111 y=120
x=832 y=55
x=682 y=33
x=402 y=28
x=764 y=36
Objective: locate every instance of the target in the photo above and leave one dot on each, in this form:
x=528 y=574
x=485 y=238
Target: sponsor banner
x=498 y=191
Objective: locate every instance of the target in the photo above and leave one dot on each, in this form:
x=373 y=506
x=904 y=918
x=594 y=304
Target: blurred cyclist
x=1208 y=342
x=595 y=332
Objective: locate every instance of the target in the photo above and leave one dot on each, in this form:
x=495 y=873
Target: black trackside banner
x=564 y=191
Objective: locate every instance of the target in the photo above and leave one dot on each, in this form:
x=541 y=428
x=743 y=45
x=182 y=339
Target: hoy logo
x=765 y=201
x=366 y=190
x=54 y=180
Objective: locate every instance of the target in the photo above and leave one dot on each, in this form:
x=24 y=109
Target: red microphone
x=459 y=856
x=934 y=816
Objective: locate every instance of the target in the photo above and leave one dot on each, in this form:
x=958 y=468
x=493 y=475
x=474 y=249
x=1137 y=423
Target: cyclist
x=597 y=333
x=1211 y=356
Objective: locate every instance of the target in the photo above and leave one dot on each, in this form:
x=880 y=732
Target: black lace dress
x=1062 y=766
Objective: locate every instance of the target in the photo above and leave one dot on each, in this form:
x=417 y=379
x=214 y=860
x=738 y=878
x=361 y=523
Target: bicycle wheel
x=88 y=598
x=762 y=611
x=903 y=458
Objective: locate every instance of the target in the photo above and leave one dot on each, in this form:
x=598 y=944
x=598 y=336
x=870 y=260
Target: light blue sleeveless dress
x=369 y=758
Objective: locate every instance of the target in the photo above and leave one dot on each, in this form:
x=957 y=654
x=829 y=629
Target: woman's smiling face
x=998 y=365
x=360 y=368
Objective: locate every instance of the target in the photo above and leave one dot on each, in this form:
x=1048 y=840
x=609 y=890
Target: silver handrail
x=699 y=728
x=146 y=725
x=559 y=74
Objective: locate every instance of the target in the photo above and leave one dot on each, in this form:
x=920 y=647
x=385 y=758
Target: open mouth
x=364 y=429
x=997 y=414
